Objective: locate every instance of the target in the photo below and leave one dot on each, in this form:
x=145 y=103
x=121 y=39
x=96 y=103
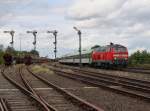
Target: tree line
x=139 y=58
x=16 y=53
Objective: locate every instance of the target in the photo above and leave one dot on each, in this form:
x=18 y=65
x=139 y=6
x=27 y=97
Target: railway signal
x=12 y=37
x=80 y=53
x=34 y=34
x=54 y=32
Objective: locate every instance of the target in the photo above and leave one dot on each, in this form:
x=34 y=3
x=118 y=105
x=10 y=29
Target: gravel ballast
x=105 y=99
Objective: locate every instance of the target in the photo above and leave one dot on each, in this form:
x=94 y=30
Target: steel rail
x=101 y=84
x=134 y=70
x=113 y=77
x=129 y=85
x=24 y=90
x=28 y=86
x=82 y=103
x=4 y=105
x=119 y=80
x=138 y=68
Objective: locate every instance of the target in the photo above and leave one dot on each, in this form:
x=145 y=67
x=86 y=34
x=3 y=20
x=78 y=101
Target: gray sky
x=126 y=22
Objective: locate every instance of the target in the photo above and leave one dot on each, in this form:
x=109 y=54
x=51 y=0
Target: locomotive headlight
x=115 y=58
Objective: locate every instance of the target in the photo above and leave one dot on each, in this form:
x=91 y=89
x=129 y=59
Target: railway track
x=137 y=70
x=129 y=69
x=15 y=99
x=4 y=105
x=104 y=75
x=68 y=98
x=131 y=87
x=49 y=97
x=39 y=104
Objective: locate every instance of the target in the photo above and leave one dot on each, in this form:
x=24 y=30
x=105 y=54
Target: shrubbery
x=1 y=56
x=139 y=58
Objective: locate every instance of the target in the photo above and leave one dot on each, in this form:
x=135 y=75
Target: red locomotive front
x=110 y=55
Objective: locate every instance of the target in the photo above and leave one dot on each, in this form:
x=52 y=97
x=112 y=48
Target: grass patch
x=141 y=65
x=40 y=69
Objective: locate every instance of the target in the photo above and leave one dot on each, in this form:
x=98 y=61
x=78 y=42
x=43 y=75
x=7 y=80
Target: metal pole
x=20 y=50
x=12 y=39
x=34 y=43
x=80 y=47
x=34 y=34
x=55 y=42
x=80 y=53
x=20 y=44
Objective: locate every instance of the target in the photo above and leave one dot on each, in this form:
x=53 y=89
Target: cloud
x=13 y=1
x=106 y=12
x=86 y=9
x=101 y=21
x=120 y=21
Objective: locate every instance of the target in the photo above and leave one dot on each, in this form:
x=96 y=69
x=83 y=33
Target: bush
x=1 y=57
x=139 y=58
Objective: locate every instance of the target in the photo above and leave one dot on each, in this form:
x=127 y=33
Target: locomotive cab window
x=120 y=49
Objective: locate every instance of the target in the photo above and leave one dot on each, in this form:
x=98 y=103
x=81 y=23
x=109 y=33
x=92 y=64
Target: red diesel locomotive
x=105 y=56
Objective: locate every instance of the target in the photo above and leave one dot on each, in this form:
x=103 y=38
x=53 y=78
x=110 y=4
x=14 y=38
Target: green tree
x=1 y=57
x=34 y=53
x=139 y=57
x=10 y=50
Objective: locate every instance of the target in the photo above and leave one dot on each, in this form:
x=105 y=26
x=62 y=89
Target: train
x=112 y=55
x=26 y=59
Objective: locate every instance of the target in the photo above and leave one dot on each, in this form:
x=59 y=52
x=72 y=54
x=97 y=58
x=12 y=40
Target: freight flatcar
x=8 y=59
x=104 y=56
x=27 y=60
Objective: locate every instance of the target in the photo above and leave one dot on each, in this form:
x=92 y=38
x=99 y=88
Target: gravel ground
x=52 y=96
x=107 y=100
x=58 y=80
x=15 y=98
x=124 y=74
x=4 y=84
x=111 y=101
x=140 y=76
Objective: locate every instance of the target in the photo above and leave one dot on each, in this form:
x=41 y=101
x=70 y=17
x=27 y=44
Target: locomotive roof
x=89 y=50
x=116 y=45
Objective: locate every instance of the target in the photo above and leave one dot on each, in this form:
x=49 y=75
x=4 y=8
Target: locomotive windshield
x=120 y=49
